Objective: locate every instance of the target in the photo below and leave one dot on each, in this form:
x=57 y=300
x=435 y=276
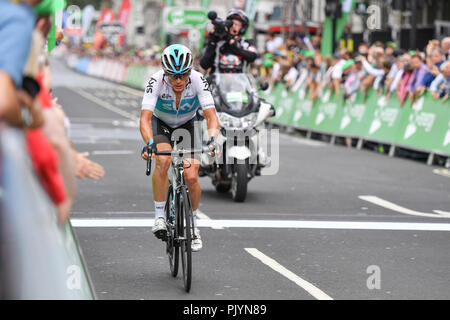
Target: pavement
x=332 y=223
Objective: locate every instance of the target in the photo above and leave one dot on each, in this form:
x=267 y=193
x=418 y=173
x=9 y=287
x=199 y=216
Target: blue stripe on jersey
x=186 y=106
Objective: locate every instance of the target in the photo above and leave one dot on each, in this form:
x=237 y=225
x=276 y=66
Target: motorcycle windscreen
x=235 y=92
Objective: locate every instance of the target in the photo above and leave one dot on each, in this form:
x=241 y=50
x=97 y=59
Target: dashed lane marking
x=307 y=286
x=392 y=206
x=105 y=105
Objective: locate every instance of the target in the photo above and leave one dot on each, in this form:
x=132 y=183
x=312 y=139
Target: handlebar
x=179 y=153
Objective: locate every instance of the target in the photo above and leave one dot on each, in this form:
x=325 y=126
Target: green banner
x=327 y=38
x=136 y=76
x=424 y=125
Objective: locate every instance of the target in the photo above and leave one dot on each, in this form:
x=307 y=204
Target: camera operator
x=226 y=51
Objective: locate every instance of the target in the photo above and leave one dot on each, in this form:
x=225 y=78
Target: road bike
x=179 y=217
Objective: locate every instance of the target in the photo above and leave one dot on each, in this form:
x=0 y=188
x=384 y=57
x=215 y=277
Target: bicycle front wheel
x=185 y=232
x=172 y=247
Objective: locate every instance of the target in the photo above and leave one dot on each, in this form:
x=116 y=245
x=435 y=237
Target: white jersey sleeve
x=201 y=87
x=152 y=91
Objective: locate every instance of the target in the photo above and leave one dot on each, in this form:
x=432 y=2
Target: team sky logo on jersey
x=149 y=87
x=166 y=96
x=205 y=84
x=187 y=105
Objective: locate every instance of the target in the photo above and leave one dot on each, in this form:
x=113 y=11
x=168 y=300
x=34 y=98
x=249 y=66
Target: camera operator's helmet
x=177 y=59
x=238 y=14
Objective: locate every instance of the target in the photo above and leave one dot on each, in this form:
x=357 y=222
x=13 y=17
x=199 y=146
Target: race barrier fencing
x=39 y=260
x=133 y=75
x=423 y=126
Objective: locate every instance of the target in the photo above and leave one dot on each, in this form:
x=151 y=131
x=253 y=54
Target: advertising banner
x=424 y=125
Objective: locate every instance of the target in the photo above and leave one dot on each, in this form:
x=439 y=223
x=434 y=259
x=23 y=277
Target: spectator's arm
x=54 y=130
x=371 y=70
x=434 y=87
x=395 y=84
x=9 y=103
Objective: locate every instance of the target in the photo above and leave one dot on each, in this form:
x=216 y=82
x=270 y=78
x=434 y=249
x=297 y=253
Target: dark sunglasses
x=179 y=76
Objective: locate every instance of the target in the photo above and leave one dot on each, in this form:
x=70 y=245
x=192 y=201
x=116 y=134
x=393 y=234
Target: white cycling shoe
x=196 y=244
x=160 y=229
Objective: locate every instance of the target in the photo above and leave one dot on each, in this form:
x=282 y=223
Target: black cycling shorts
x=187 y=136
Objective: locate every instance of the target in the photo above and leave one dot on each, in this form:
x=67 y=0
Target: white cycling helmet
x=177 y=59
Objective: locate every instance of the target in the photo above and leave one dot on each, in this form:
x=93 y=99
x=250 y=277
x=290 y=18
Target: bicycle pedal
x=161 y=234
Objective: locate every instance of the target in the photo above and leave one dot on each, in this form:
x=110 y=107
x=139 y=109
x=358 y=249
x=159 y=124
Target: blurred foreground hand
x=85 y=168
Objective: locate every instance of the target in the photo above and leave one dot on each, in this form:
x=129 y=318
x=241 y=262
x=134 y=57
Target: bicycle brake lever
x=149 y=165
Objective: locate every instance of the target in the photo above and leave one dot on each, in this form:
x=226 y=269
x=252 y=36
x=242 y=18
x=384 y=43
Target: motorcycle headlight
x=248 y=121
x=229 y=122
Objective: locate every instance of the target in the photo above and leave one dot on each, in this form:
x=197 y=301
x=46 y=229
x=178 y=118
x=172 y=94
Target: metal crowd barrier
x=38 y=259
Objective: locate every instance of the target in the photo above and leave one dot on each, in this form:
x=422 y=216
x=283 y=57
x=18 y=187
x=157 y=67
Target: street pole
x=413 y=33
x=334 y=33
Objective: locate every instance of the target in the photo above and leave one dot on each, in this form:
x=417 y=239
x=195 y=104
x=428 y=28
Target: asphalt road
x=334 y=222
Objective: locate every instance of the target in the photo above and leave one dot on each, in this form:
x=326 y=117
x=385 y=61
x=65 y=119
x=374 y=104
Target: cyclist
x=170 y=102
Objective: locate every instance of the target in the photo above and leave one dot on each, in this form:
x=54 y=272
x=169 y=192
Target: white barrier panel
x=42 y=260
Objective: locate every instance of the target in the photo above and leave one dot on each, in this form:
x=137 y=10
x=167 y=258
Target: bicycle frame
x=178 y=208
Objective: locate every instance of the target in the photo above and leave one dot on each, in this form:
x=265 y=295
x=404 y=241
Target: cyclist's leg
x=160 y=181
x=192 y=164
x=191 y=177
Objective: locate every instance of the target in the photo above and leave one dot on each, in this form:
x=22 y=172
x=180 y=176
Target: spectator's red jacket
x=43 y=155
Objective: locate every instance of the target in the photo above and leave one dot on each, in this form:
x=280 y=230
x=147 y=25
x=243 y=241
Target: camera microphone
x=212 y=15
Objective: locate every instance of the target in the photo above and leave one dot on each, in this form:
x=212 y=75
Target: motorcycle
x=241 y=114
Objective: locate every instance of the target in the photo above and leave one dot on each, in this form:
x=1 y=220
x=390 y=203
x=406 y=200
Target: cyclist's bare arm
x=212 y=122
x=146 y=128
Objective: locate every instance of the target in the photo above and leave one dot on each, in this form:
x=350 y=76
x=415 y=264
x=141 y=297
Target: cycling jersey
x=159 y=97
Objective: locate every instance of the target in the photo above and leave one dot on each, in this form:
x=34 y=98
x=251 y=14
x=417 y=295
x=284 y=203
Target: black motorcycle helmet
x=238 y=14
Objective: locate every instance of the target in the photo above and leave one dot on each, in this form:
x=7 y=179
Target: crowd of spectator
x=28 y=105
x=390 y=71
x=150 y=57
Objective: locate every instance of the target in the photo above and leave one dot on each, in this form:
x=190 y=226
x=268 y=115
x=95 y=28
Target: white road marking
x=135 y=92
x=444 y=213
x=392 y=206
x=112 y=152
x=203 y=216
x=442 y=172
x=310 y=288
x=106 y=105
x=270 y=224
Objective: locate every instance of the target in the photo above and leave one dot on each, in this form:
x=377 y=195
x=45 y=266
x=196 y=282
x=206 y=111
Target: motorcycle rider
x=232 y=54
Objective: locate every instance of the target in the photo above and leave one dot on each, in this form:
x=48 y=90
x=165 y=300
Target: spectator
x=402 y=92
x=354 y=72
x=396 y=74
x=314 y=78
x=336 y=75
x=440 y=87
x=434 y=63
x=418 y=74
x=16 y=27
x=445 y=45
x=377 y=75
x=273 y=42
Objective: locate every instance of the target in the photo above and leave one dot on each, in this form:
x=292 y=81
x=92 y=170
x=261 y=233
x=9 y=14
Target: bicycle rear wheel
x=172 y=248
x=185 y=231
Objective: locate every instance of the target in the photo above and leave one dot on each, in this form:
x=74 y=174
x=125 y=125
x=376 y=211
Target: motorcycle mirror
x=264 y=86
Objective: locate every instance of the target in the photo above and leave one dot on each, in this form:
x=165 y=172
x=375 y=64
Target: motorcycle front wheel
x=239 y=182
